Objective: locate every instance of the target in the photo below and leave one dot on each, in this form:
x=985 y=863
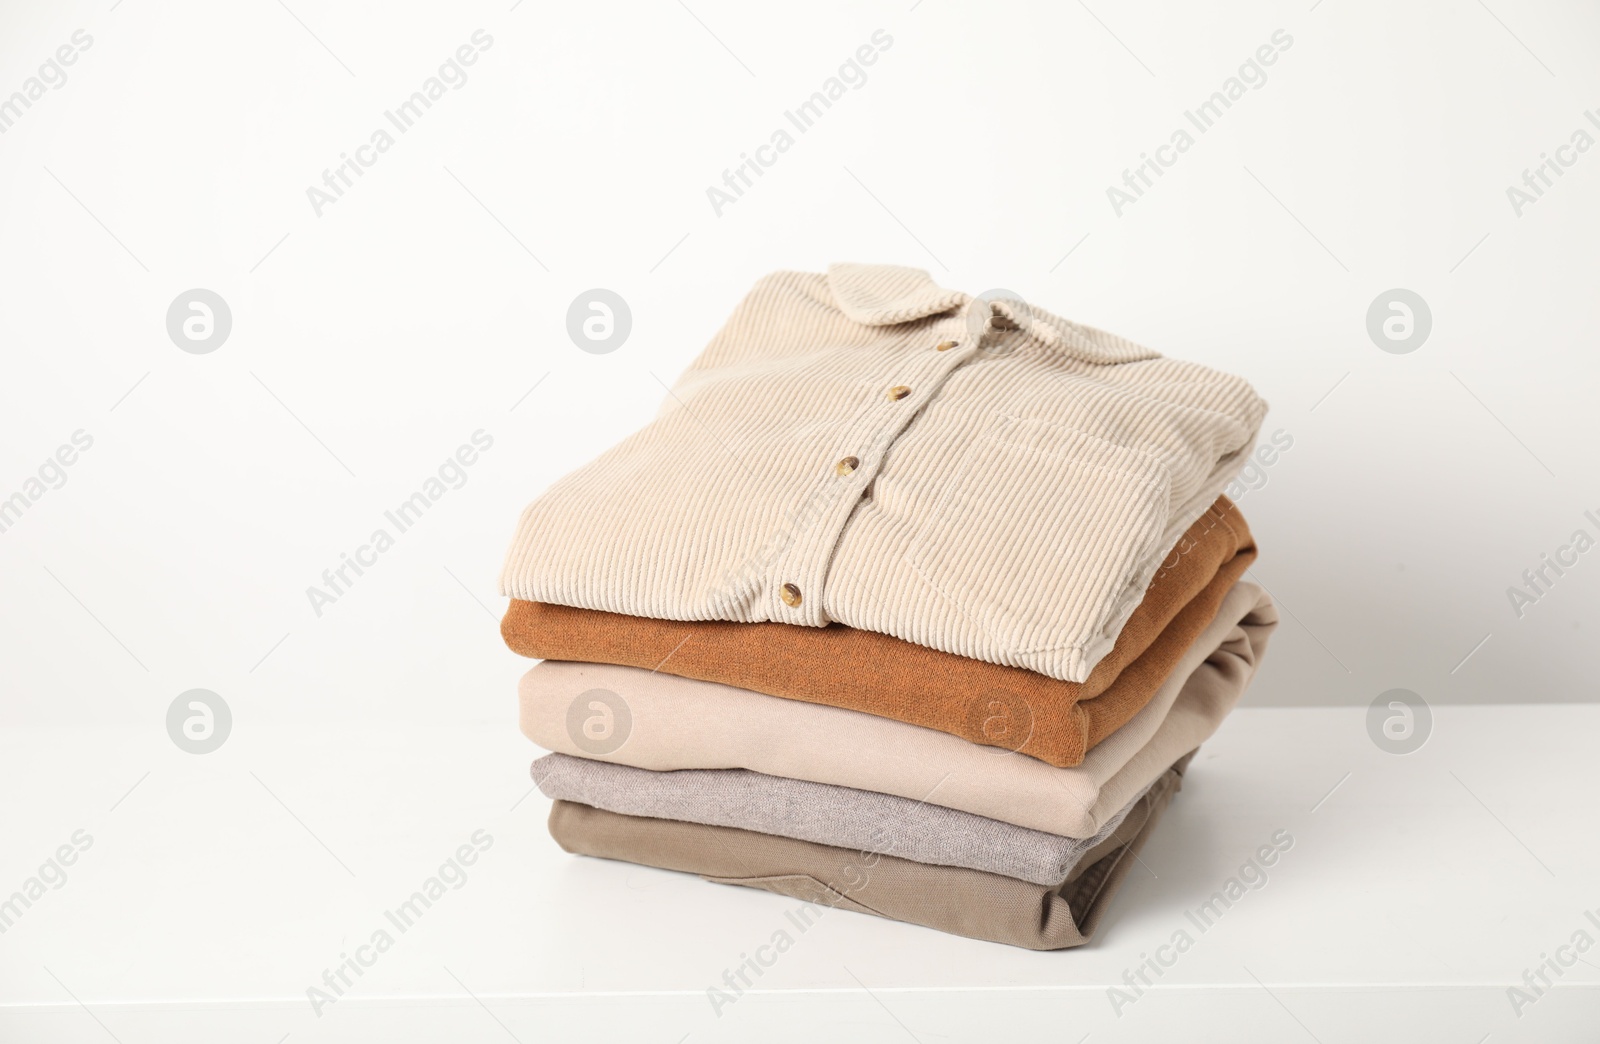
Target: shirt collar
x=885 y=295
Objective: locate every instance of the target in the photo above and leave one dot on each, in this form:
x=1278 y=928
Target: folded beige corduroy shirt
x=973 y=475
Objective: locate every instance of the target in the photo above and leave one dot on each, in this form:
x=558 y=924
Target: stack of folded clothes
x=908 y=602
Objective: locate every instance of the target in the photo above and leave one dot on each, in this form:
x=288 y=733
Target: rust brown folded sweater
x=1007 y=707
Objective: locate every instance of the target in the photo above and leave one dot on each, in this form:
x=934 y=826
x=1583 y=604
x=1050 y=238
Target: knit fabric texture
x=838 y=816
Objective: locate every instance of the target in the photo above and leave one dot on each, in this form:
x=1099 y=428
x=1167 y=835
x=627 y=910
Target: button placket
x=797 y=581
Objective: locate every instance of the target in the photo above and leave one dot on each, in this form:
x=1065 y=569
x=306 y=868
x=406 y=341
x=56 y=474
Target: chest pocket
x=1039 y=530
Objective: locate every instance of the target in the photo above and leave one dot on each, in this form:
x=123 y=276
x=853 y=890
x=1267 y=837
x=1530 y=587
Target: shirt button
x=945 y=346
x=847 y=465
x=790 y=594
x=899 y=392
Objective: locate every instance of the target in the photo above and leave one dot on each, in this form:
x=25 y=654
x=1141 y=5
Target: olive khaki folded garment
x=660 y=721
x=1055 y=721
x=837 y=816
x=951 y=899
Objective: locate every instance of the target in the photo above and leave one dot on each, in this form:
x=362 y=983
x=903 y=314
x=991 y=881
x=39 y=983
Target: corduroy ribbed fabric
x=975 y=476
x=950 y=899
x=658 y=721
x=1008 y=707
x=842 y=817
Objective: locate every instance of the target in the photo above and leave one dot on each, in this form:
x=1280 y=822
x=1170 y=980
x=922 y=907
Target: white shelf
x=1414 y=895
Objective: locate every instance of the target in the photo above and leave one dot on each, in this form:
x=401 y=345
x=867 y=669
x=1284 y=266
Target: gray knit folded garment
x=821 y=813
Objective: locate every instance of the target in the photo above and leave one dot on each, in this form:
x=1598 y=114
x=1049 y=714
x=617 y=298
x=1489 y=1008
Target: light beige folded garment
x=663 y=722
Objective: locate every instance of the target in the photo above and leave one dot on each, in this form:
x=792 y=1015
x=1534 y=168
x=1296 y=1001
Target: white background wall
x=369 y=342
